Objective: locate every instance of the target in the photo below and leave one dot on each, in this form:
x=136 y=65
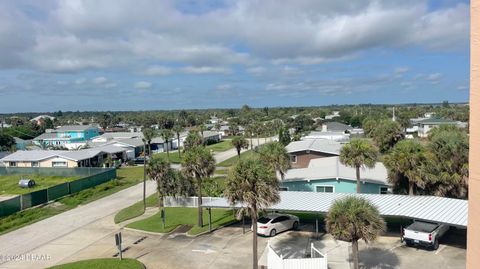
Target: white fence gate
x=318 y=260
x=192 y=201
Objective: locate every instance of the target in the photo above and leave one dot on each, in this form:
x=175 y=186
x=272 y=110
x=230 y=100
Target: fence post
x=21 y=202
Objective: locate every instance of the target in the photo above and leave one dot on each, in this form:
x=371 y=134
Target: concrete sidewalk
x=225 y=155
x=36 y=238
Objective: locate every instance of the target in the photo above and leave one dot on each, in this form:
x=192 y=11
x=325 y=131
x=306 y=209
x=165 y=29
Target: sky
x=152 y=55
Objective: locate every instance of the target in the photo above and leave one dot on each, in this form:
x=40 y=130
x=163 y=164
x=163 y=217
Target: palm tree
x=199 y=163
x=177 y=129
x=275 y=154
x=354 y=218
x=167 y=134
x=407 y=161
x=253 y=184
x=249 y=131
x=202 y=128
x=192 y=140
x=239 y=142
x=358 y=153
x=148 y=135
x=169 y=182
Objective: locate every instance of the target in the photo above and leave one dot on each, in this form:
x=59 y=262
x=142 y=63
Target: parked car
x=272 y=224
x=139 y=160
x=424 y=233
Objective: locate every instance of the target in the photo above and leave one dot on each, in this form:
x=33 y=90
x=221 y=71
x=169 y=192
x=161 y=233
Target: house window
x=34 y=164
x=324 y=188
x=59 y=164
x=383 y=190
x=12 y=164
x=283 y=188
x=293 y=158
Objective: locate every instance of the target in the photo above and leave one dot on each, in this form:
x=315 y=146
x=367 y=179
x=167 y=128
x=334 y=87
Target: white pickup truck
x=424 y=234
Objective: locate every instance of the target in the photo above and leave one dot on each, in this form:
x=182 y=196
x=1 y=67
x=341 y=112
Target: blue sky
x=148 y=54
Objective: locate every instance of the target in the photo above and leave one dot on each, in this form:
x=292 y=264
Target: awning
x=428 y=208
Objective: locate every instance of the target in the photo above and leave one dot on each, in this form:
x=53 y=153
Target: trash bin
x=26 y=183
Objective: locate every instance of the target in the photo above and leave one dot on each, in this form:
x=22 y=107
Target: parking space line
x=440 y=249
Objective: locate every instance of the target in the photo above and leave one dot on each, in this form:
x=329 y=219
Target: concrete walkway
x=57 y=236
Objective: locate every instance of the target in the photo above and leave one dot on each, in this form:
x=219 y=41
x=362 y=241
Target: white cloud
x=157 y=70
x=79 y=35
x=206 y=70
x=142 y=85
x=257 y=70
x=99 y=80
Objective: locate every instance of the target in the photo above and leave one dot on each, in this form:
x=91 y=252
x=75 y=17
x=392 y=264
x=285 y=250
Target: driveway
x=62 y=235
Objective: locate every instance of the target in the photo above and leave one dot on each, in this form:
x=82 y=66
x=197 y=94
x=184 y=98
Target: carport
x=453 y=212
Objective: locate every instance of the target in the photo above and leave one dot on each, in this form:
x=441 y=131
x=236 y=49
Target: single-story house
x=225 y=130
x=424 y=126
x=330 y=175
x=210 y=137
x=334 y=136
x=133 y=146
x=334 y=126
x=60 y=158
x=302 y=152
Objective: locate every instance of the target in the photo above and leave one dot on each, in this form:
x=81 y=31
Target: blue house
x=329 y=175
x=67 y=136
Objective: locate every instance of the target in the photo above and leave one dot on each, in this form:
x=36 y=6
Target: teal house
x=329 y=175
x=69 y=136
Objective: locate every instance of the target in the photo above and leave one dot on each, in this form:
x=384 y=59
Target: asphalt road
x=27 y=240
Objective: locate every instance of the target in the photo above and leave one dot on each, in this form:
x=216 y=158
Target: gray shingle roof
x=331 y=167
x=337 y=126
x=318 y=145
x=429 y=208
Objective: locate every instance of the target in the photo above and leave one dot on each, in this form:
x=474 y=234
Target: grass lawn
x=176 y=216
x=221 y=172
x=136 y=209
x=233 y=160
x=173 y=156
x=9 y=183
x=126 y=177
x=102 y=264
x=220 y=146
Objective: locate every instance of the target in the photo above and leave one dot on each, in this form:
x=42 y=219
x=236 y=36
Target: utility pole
x=144 y=175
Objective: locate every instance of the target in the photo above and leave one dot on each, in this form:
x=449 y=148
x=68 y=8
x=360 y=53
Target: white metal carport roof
x=429 y=208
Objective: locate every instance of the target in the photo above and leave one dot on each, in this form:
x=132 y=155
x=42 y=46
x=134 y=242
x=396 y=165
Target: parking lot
x=230 y=248
x=386 y=252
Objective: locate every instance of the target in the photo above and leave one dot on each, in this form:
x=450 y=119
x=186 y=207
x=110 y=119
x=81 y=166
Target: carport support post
x=209 y=219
